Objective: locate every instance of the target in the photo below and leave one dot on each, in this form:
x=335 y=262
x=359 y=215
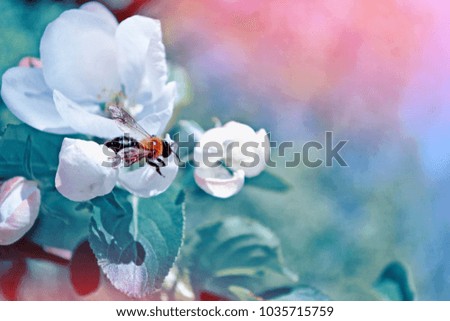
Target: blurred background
x=376 y=73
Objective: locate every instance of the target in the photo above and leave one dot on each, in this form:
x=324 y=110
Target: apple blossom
x=20 y=200
x=237 y=146
x=81 y=175
x=86 y=170
x=89 y=61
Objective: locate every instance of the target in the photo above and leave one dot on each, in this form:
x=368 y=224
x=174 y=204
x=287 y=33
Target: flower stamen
x=121 y=100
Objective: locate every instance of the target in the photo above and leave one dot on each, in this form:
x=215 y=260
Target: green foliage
x=136 y=241
x=34 y=154
x=61 y=223
x=30 y=153
x=235 y=252
x=268 y=180
x=393 y=284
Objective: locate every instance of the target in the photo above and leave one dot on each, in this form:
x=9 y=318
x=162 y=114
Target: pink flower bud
x=19 y=206
x=30 y=62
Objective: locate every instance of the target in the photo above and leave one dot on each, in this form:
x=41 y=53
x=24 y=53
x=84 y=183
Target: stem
x=28 y=249
x=134 y=204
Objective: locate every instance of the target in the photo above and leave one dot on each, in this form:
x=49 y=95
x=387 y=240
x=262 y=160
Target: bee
x=142 y=146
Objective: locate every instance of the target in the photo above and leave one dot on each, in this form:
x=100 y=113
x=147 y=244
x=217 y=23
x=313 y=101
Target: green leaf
x=61 y=223
x=30 y=153
x=136 y=241
x=302 y=293
x=235 y=252
x=393 y=284
x=267 y=180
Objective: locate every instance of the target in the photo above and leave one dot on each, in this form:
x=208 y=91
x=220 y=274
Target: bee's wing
x=131 y=155
x=127 y=123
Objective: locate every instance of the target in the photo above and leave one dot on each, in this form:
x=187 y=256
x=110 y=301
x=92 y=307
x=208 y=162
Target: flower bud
x=218 y=181
x=19 y=206
x=30 y=62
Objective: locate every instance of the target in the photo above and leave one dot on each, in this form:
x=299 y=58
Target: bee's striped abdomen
x=119 y=143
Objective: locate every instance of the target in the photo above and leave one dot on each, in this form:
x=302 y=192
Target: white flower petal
x=237 y=145
x=146 y=182
x=215 y=135
x=20 y=200
x=141 y=56
x=210 y=148
x=101 y=11
x=27 y=96
x=78 y=52
x=155 y=117
x=155 y=77
x=263 y=138
x=165 y=101
x=239 y=132
x=84 y=121
x=83 y=172
x=262 y=152
x=218 y=182
x=249 y=142
x=251 y=165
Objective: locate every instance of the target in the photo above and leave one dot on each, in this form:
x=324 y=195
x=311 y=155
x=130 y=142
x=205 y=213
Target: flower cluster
x=95 y=150
x=88 y=62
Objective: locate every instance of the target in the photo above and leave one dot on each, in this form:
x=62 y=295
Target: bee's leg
x=116 y=160
x=163 y=164
x=156 y=166
x=173 y=148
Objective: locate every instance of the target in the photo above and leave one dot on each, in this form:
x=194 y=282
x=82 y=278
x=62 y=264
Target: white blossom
x=20 y=200
x=81 y=173
x=243 y=151
x=88 y=62
x=86 y=170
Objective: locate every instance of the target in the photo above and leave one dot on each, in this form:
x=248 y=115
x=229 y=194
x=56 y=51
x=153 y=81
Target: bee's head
x=168 y=149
